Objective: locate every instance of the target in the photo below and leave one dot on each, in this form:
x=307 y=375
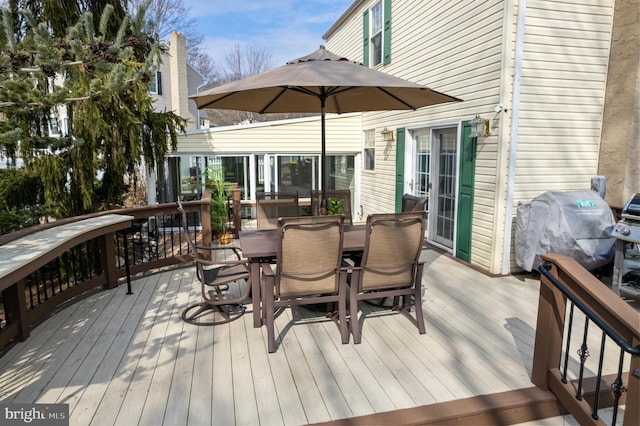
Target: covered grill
x=626 y=267
x=577 y=224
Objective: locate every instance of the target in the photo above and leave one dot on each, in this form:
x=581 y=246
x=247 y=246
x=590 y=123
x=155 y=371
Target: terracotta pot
x=225 y=238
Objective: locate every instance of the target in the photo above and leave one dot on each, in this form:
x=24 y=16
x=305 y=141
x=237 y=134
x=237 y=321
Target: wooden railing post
x=108 y=249
x=236 y=211
x=15 y=303
x=549 y=331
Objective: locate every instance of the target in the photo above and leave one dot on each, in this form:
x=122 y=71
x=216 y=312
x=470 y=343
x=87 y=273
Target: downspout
x=198 y=91
x=513 y=144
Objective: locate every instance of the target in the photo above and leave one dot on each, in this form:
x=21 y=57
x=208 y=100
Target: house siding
x=466 y=49
x=565 y=61
x=298 y=136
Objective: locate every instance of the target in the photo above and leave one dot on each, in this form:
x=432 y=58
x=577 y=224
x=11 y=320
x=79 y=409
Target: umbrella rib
x=208 y=104
x=408 y=105
x=275 y=98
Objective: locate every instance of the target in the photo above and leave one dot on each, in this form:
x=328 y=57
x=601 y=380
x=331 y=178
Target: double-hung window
x=377 y=34
x=369 y=150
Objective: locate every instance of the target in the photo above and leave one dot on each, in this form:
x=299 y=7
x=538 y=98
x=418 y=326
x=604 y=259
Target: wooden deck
x=130 y=359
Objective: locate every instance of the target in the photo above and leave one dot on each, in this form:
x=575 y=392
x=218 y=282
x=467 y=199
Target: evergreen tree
x=101 y=78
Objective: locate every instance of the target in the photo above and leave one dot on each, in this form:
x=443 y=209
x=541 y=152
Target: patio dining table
x=260 y=246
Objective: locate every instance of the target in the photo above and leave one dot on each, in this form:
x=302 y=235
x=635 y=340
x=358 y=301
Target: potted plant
x=219 y=203
x=334 y=206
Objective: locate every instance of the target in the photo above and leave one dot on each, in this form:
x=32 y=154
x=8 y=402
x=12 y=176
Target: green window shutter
x=386 y=36
x=365 y=38
x=465 y=193
x=400 y=134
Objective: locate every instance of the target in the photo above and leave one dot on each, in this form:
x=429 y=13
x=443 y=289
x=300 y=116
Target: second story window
x=155 y=88
x=377 y=34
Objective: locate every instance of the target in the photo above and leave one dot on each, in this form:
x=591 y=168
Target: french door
x=432 y=173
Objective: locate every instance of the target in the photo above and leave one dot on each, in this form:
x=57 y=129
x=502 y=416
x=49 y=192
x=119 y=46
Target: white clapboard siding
x=297 y=136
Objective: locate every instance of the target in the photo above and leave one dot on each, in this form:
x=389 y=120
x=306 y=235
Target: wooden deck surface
x=130 y=359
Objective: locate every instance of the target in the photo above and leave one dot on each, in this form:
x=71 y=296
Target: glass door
x=443 y=192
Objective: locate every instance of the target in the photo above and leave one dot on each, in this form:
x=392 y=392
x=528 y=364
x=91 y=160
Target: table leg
x=254 y=271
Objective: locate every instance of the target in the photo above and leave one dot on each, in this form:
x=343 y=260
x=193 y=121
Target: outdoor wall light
x=387 y=135
x=479 y=127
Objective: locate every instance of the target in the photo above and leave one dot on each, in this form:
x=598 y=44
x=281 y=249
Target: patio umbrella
x=320 y=82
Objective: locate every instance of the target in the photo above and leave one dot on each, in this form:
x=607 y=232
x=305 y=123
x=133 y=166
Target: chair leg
x=269 y=313
x=419 y=316
x=353 y=316
x=342 y=310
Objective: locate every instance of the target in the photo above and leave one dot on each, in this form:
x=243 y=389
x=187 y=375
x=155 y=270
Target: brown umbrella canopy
x=301 y=84
x=320 y=82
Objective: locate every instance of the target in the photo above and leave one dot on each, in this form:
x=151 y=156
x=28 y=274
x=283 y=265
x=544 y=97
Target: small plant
x=219 y=195
x=334 y=206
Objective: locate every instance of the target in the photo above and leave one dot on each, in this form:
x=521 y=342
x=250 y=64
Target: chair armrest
x=267 y=270
x=206 y=262
x=236 y=250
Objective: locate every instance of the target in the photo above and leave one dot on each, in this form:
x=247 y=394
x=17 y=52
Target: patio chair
x=390 y=266
x=340 y=194
x=412 y=203
x=308 y=270
x=219 y=304
x=271 y=206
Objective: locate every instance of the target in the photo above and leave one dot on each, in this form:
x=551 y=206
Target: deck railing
x=572 y=300
x=94 y=259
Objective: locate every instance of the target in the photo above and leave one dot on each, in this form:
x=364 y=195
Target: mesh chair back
x=412 y=203
x=309 y=255
x=392 y=250
x=271 y=206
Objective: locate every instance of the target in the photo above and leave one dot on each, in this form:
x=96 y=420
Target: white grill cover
x=576 y=224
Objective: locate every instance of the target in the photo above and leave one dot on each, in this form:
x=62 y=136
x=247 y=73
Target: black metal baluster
x=164 y=237
x=29 y=283
x=74 y=268
x=567 y=347
x=583 y=353
x=617 y=387
x=50 y=266
x=59 y=271
x=596 y=402
x=36 y=275
x=126 y=261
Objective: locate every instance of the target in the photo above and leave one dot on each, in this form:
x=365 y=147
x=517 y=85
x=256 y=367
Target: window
x=377 y=34
x=54 y=128
x=369 y=151
x=155 y=88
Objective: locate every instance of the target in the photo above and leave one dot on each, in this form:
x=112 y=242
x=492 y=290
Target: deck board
x=130 y=359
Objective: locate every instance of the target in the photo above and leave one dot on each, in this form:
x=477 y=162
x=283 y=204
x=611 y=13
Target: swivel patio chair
x=390 y=266
x=219 y=303
x=308 y=270
x=412 y=203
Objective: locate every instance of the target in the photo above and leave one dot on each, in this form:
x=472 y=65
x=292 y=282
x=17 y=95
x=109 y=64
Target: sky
x=288 y=28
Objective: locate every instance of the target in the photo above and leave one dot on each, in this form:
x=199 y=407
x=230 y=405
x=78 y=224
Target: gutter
x=513 y=145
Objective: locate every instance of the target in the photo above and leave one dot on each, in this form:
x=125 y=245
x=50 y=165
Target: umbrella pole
x=323 y=158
